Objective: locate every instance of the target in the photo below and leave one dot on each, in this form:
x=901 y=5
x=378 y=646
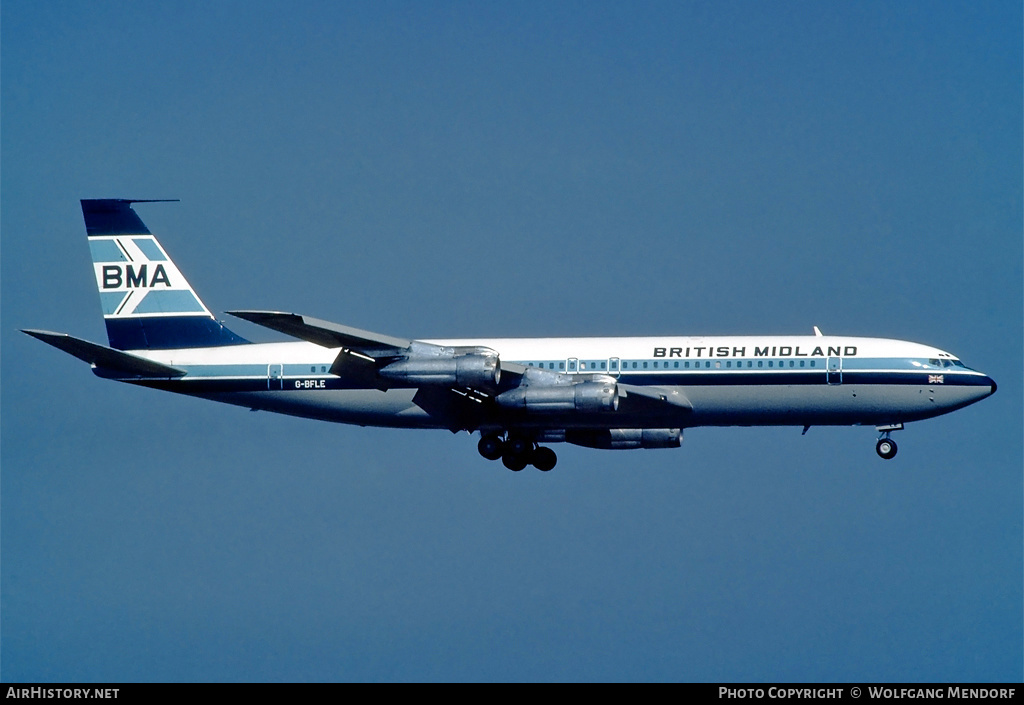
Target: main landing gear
x=516 y=453
x=886 y=446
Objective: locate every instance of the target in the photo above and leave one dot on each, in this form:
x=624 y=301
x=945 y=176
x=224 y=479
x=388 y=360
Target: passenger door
x=834 y=370
x=275 y=376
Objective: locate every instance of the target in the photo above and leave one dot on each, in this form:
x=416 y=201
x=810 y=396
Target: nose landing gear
x=886 y=446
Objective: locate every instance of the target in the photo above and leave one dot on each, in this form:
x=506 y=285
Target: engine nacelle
x=585 y=397
x=452 y=367
x=626 y=438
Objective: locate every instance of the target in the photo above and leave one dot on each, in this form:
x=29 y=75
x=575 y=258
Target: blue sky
x=464 y=169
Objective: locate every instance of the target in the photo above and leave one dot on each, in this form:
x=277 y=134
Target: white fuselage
x=727 y=380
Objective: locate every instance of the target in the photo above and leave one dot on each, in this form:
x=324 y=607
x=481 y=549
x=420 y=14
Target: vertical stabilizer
x=147 y=303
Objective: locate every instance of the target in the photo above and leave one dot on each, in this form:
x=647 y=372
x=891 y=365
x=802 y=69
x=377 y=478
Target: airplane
x=518 y=394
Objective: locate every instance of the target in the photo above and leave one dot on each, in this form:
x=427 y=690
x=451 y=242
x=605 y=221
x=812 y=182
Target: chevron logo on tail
x=136 y=278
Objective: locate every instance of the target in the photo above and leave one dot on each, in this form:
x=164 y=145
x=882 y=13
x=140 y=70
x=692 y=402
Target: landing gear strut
x=517 y=452
x=886 y=446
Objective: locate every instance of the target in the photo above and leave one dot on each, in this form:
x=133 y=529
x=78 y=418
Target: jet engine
x=475 y=368
x=581 y=397
x=626 y=438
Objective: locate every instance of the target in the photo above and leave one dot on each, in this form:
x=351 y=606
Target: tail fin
x=147 y=303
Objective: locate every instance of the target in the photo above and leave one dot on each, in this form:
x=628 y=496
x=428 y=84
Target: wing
x=362 y=352
x=325 y=333
x=464 y=385
x=383 y=361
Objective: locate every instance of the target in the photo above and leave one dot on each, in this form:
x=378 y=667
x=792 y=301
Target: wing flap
x=119 y=363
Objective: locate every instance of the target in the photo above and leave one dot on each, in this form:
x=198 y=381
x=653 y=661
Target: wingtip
x=250 y=315
x=41 y=334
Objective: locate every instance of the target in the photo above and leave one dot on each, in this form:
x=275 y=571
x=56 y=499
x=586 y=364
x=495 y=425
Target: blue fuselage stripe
x=249 y=378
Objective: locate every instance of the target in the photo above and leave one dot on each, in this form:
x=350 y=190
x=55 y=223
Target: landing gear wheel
x=513 y=461
x=491 y=447
x=544 y=459
x=886 y=448
x=520 y=446
x=517 y=453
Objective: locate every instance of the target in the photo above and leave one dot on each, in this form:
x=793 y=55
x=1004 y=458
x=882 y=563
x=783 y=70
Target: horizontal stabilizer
x=121 y=364
x=329 y=335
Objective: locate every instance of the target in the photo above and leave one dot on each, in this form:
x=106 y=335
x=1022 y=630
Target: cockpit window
x=939 y=363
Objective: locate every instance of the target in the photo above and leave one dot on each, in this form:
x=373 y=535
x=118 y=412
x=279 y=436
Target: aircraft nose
x=986 y=387
x=992 y=384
